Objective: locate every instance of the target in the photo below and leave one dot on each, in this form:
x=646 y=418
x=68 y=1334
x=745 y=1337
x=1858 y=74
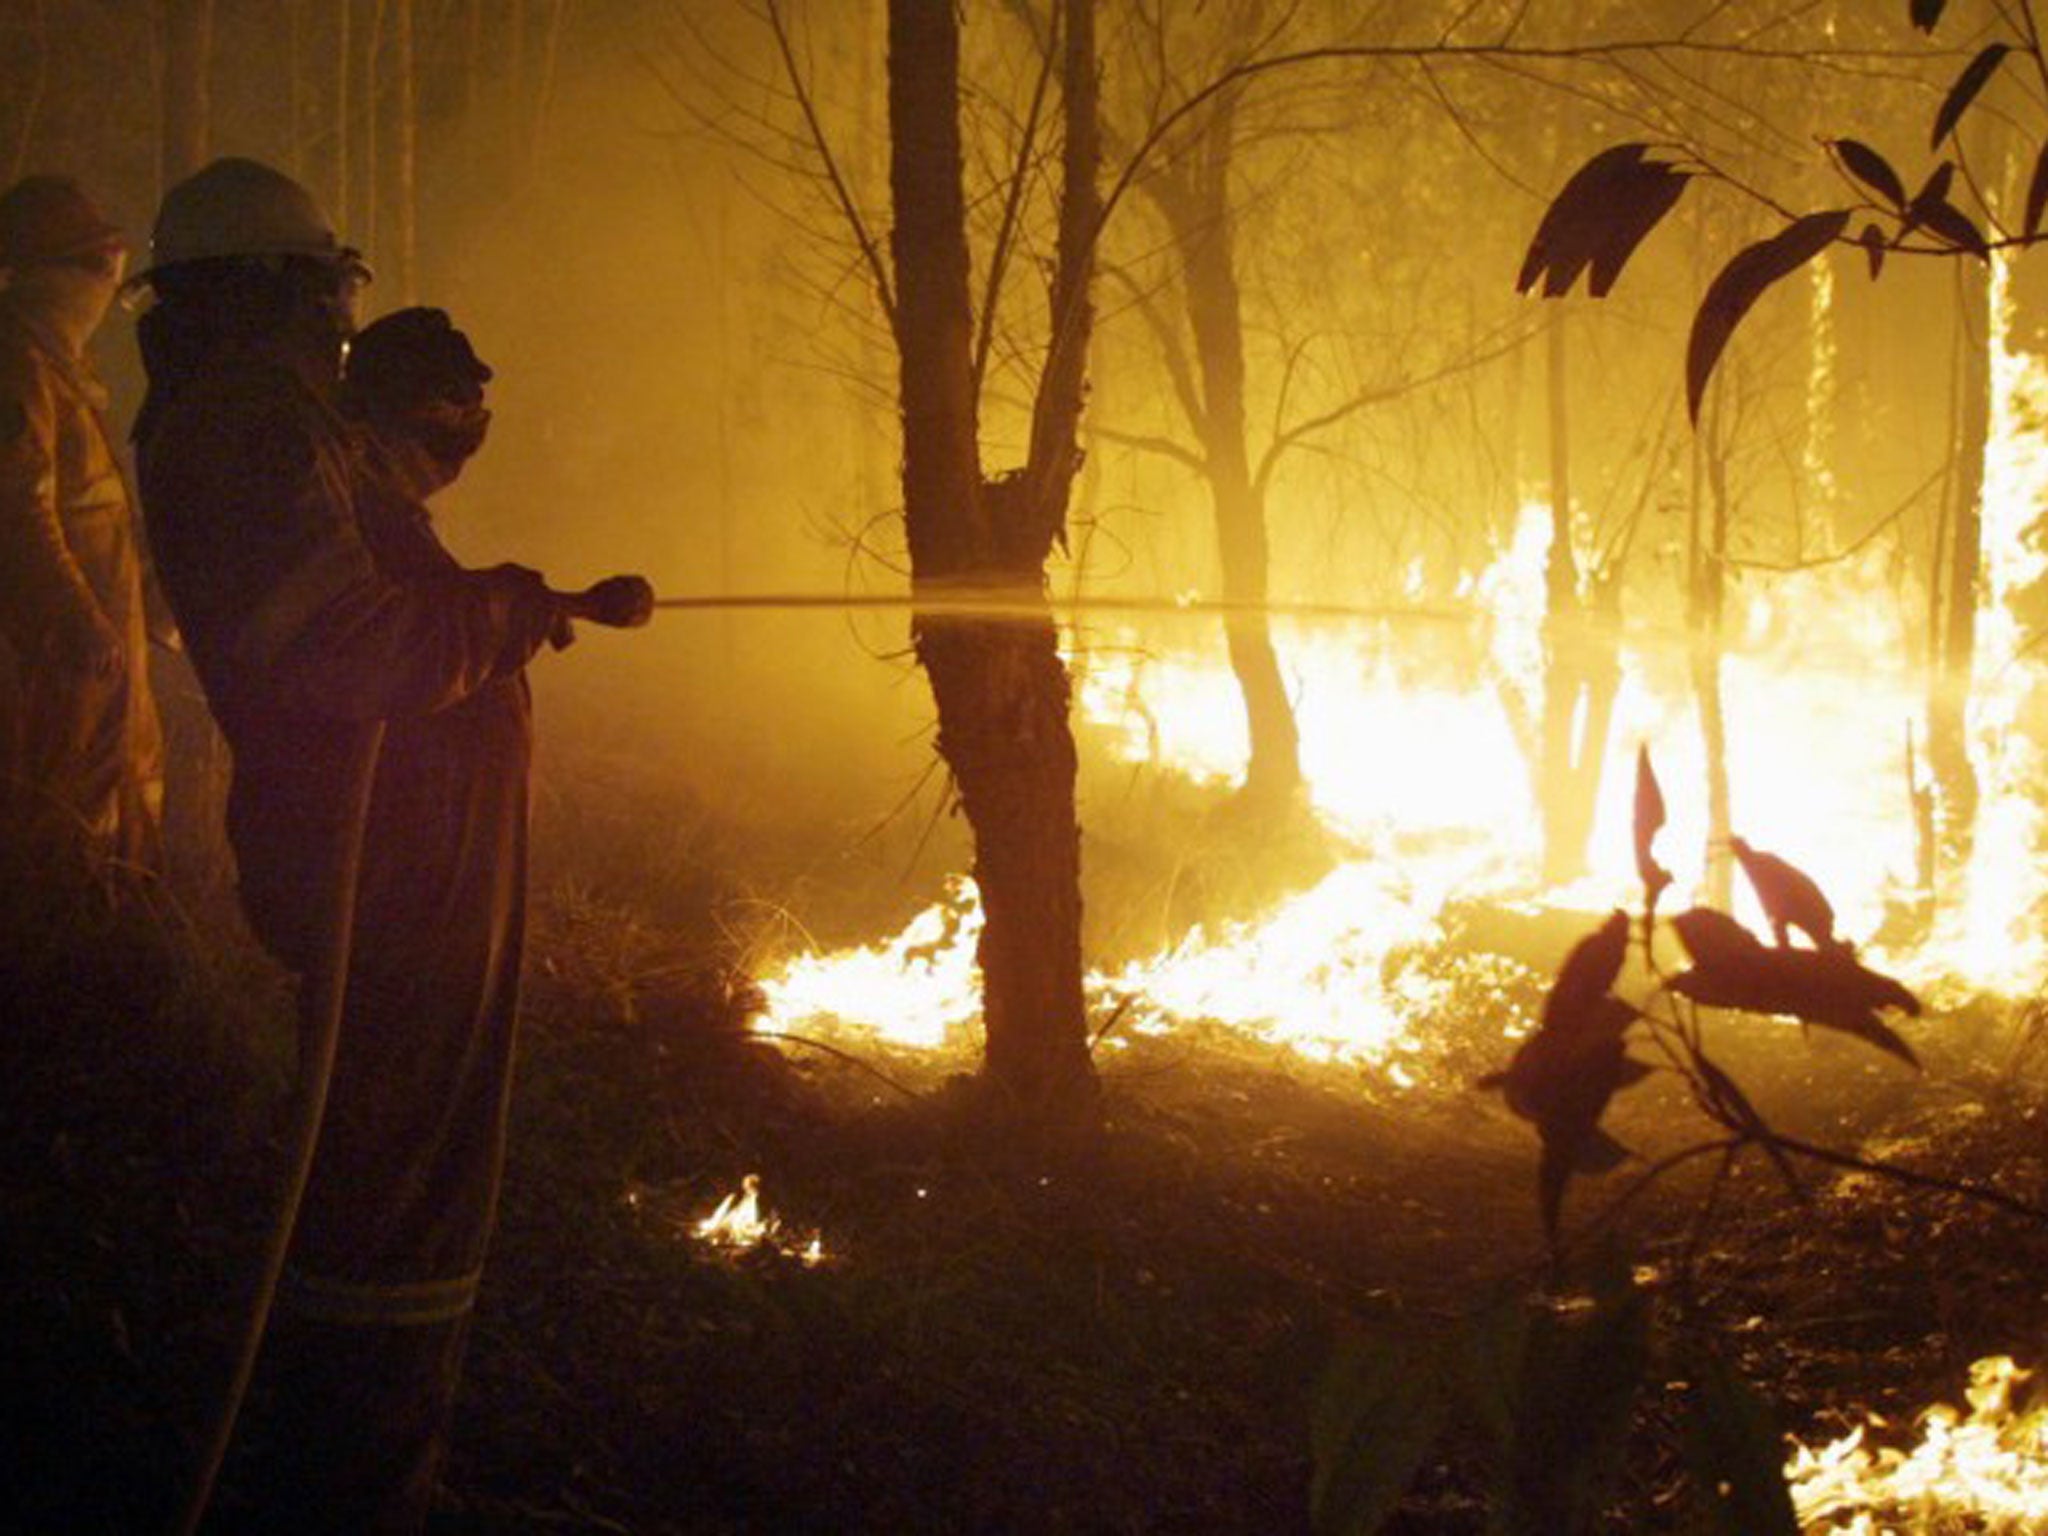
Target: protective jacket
x=315 y=601
x=80 y=754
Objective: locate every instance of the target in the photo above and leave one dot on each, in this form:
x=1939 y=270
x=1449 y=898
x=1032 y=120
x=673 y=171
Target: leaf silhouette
x=1954 y=226
x=1598 y=219
x=1934 y=190
x=1926 y=13
x=1741 y=283
x=1872 y=169
x=1378 y=1408
x=1562 y=1078
x=2037 y=194
x=1873 y=242
x=1788 y=895
x=1972 y=80
x=1732 y=968
x=1714 y=938
x=1575 y=1387
x=1587 y=973
x=1649 y=820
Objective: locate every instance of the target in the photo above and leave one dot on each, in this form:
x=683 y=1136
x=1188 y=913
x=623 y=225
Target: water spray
x=1013 y=603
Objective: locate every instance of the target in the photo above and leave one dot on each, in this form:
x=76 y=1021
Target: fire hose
x=326 y=992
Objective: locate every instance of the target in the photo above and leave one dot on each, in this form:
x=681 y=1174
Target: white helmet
x=241 y=208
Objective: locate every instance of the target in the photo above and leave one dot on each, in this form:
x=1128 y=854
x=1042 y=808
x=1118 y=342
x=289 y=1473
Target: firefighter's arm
x=47 y=606
x=328 y=633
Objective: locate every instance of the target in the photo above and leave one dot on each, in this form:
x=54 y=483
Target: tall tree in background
x=1192 y=192
x=1001 y=688
x=186 y=33
x=1955 y=584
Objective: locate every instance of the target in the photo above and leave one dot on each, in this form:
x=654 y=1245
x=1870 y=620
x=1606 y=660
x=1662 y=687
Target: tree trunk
x=1197 y=210
x=187 y=105
x=403 y=160
x=1562 y=861
x=295 y=84
x=344 y=102
x=1706 y=590
x=1958 y=560
x=363 y=215
x=1001 y=689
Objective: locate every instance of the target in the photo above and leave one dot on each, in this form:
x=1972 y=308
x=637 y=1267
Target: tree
x=1001 y=688
x=187 y=33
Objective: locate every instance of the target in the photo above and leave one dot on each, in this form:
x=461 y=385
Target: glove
x=619 y=602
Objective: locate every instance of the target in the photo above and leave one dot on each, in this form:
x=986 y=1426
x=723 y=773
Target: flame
x=914 y=989
x=739 y=1225
x=1986 y=1470
x=1413 y=763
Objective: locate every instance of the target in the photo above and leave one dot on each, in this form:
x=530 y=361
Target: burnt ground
x=1123 y=1336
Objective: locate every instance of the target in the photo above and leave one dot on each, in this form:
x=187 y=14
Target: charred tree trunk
x=1197 y=210
x=1001 y=689
x=1958 y=559
x=187 y=103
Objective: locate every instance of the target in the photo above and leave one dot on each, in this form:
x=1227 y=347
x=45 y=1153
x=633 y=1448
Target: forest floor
x=1123 y=1336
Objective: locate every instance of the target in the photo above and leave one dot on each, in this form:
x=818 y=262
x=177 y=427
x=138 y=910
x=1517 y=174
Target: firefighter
x=321 y=612
x=81 y=751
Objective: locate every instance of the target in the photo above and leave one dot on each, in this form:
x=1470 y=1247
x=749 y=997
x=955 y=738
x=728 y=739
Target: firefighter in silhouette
x=81 y=753
x=322 y=613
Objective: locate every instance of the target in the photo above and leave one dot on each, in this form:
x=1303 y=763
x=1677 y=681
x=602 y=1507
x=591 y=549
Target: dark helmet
x=413 y=358
x=413 y=375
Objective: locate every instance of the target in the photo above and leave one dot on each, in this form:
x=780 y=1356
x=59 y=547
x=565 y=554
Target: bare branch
x=1013 y=203
x=1379 y=394
x=877 y=268
x=1173 y=355
x=1145 y=442
x=1515 y=56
